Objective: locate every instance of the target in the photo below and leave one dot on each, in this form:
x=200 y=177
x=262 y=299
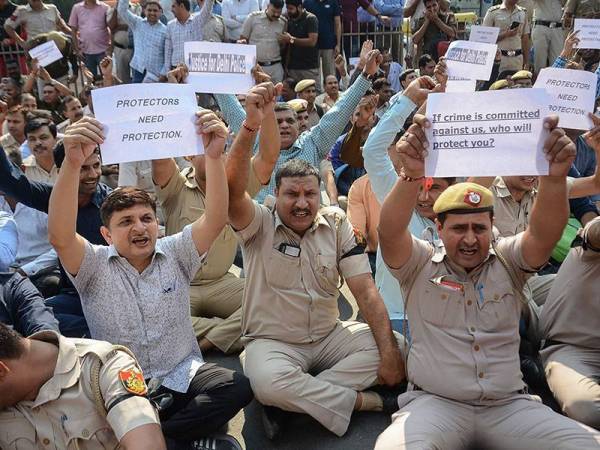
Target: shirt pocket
x=89 y=431
x=16 y=434
x=326 y=273
x=495 y=312
x=439 y=305
x=283 y=271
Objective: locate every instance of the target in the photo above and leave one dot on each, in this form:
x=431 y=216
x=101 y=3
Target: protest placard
x=147 y=121
x=487 y=35
x=460 y=85
x=589 y=33
x=46 y=53
x=487 y=133
x=572 y=94
x=218 y=68
x=470 y=60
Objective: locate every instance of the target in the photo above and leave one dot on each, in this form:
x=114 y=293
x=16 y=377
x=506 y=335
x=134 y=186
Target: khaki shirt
x=589 y=9
x=183 y=202
x=510 y=217
x=550 y=10
x=10 y=144
x=501 y=17
x=214 y=30
x=290 y=298
x=263 y=33
x=528 y=5
x=464 y=326
x=64 y=414
x=35 y=22
x=35 y=172
x=571 y=312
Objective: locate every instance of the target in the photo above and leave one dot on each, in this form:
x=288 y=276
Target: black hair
x=380 y=83
x=186 y=4
x=406 y=73
x=37 y=123
x=65 y=101
x=294 y=2
x=124 y=198
x=277 y=3
x=425 y=59
x=296 y=168
x=11 y=343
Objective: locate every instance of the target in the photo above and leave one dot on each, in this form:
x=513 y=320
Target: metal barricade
x=12 y=60
x=383 y=37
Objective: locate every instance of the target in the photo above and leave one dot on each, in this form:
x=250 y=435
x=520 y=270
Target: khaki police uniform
x=570 y=322
x=290 y=321
x=464 y=327
x=589 y=9
x=548 y=35
x=215 y=293
x=501 y=17
x=263 y=33
x=65 y=414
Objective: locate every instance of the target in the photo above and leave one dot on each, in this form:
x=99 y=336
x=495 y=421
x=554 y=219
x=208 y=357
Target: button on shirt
x=290 y=298
x=140 y=310
x=64 y=414
x=311 y=146
x=148 y=39
x=263 y=32
x=464 y=325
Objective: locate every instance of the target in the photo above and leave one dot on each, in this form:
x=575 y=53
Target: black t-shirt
x=5 y=13
x=303 y=57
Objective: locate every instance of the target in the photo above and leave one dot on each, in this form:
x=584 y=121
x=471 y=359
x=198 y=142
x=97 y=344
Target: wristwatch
x=292 y=40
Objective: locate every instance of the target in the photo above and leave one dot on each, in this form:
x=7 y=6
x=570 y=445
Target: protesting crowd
x=476 y=281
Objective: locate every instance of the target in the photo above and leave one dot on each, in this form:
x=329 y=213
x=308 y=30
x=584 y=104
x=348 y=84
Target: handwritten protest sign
x=218 y=68
x=147 y=121
x=470 y=60
x=589 y=33
x=46 y=53
x=487 y=35
x=572 y=95
x=460 y=85
x=487 y=133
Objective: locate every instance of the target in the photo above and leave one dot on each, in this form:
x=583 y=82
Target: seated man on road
x=464 y=305
x=48 y=395
x=135 y=292
x=294 y=256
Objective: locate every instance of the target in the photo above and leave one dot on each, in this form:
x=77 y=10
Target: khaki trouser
x=547 y=44
x=275 y=72
x=327 y=56
x=573 y=374
x=216 y=309
x=307 y=74
x=345 y=362
x=122 y=58
x=426 y=421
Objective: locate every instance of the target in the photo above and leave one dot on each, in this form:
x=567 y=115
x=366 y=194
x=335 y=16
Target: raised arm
x=259 y=106
x=395 y=239
x=269 y=142
x=351 y=148
x=10 y=27
x=80 y=142
x=214 y=135
x=551 y=210
x=123 y=10
x=61 y=88
x=204 y=14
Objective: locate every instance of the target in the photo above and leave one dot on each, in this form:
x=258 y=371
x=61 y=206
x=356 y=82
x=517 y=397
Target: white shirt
x=235 y=13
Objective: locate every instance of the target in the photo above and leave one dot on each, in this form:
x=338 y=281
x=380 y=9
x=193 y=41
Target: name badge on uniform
x=448 y=284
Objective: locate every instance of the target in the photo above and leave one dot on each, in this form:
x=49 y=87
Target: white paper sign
x=487 y=133
x=487 y=35
x=147 y=121
x=572 y=95
x=218 y=68
x=589 y=33
x=470 y=60
x=460 y=85
x=46 y=53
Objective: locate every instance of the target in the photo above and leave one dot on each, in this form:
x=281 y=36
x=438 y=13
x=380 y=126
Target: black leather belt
x=518 y=52
x=547 y=23
x=268 y=63
x=122 y=46
x=550 y=343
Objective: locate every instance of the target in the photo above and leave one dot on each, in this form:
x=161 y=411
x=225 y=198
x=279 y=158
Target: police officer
x=548 y=34
x=587 y=9
x=60 y=393
x=464 y=307
x=513 y=39
x=294 y=255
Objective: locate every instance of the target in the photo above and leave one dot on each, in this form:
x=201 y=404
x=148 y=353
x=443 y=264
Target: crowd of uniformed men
x=474 y=295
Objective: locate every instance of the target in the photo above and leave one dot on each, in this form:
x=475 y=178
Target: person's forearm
x=205 y=12
x=331 y=188
x=446 y=29
x=238 y=165
x=61 y=88
x=525 y=47
x=337 y=26
x=13 y=35
x=62 y=209
x=305 y=42
x=29 y=83
x=217 y=195
x=550 y=212
x=233 y=112
x=74 y=40
x=397 y=209
x=371 y=10
x=418 y=36
x=269 y=148
x=350 y=152
x=124 y=13
x=14 y=183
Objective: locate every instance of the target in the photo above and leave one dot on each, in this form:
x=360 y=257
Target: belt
x=550 y=343
x=122 y=46
x=269 y=63
x=511 y=52
x=547 y=23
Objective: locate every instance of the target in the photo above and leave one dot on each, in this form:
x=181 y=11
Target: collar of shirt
x=502 y=191
x=113 y=253
x=28 y=7
x=67 y=369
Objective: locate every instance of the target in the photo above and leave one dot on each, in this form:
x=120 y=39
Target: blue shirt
x=9 y=241
x=561 y=62
x=383 y=177
x=325 y=10
x=585 y=161
x=311 y=146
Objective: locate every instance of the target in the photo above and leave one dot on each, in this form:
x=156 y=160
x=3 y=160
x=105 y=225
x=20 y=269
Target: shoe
x=389 y=396
x=273 y=420
x=216 y=442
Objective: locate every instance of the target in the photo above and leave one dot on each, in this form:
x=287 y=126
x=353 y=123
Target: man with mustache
x=464 y=306
x=41 y=138
x=72 y=110
x=294 y=256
